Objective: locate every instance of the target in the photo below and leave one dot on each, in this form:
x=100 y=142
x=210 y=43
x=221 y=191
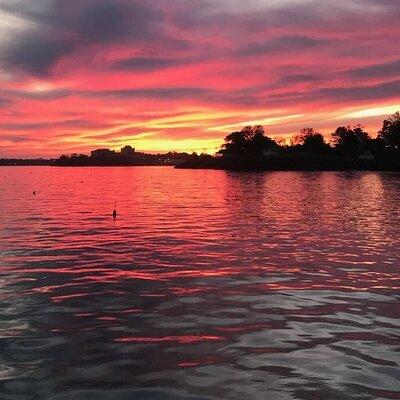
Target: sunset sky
x=180 y=74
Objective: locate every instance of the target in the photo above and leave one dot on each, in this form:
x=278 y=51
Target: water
x=209 y=285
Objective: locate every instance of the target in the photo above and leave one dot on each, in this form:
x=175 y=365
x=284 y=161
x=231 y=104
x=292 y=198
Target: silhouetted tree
x=349 y=141
x=250 y=141
x=311 y=141
x=390 y=133
x=281 y=141
x=235 y=144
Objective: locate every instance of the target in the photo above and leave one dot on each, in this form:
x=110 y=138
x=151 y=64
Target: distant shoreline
x=110 y=165
x=280 y=162
x=52 y=164
x=290 y=162
x=22 y=162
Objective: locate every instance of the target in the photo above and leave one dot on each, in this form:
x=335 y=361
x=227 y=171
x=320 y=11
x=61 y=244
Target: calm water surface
x=209 y=285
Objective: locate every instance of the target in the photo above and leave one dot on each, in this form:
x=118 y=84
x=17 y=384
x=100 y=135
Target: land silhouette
x=12 y=162
x=350 y=148
x=128 y=156
x=250 y=149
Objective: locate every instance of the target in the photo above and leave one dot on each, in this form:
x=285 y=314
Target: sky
x=179 y=75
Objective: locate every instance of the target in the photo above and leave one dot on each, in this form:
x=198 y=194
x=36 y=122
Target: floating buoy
x=115 y=210
x=34 y=192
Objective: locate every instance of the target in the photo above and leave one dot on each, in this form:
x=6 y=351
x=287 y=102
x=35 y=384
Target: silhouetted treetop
x=390 y=133
x=350 y=141
x=250 y=141
x=310 y=141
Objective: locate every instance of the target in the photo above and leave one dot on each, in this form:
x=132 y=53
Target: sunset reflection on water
x=208 y=285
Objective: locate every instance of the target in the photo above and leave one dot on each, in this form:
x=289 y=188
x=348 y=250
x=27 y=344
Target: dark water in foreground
x=209 y=285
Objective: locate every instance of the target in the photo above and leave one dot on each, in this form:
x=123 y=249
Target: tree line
x=345 y=141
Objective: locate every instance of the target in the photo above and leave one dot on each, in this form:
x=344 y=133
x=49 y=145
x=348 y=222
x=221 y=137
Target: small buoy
x=115 y=211
x=34 y=192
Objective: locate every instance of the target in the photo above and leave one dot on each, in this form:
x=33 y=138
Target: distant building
x=127 y=151
x=102 y=153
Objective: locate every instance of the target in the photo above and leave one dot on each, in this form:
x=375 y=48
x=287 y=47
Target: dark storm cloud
x=58 y=28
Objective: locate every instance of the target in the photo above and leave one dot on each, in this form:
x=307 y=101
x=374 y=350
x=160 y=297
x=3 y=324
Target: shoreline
x=274 y=162
x=291 y=162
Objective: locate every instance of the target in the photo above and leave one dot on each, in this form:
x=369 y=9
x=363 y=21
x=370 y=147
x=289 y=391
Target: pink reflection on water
x=268 y=265
x=182 y=339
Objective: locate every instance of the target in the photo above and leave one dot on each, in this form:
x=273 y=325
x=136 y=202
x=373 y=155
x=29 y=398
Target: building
x=127 y=151
x=102 y=153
